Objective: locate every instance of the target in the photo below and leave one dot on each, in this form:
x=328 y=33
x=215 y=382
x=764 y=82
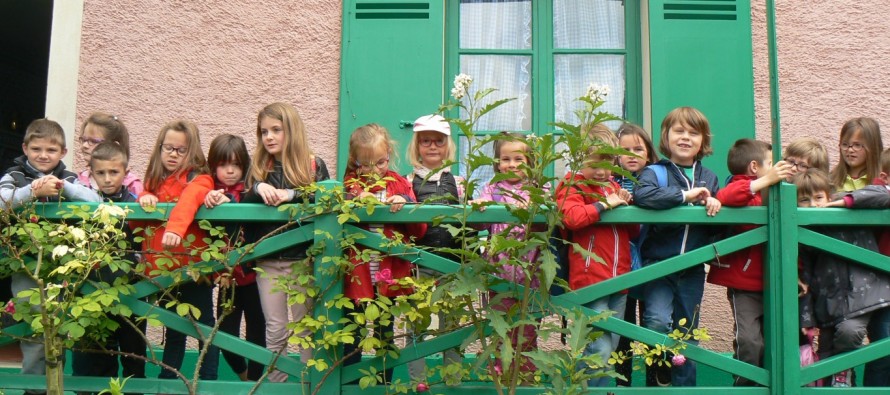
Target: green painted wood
x=837 y=363
x=863 y=256
x=392 y=69
x=148 y=386
x=703 y=58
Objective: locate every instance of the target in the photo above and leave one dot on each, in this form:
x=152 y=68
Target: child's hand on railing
x=170 y=240
x=696 y=195
x=712 y=205
x=396 y=203
x=625 y=195
x=148 y=201
x=614 y=200
x=45 y=186
x=215 y=198
x=271 y=196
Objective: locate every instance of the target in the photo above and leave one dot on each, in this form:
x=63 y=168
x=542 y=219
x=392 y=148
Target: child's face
x=765 y=164
x=373 y=161
x=109 y=174
x=174 y=142
x=798 y=165
x=597 y=174
x=229 y=173
x=511 y=158
x=431 y=147
x=91 y=137
x=818 y=199
x=854 y=153
x=634 y=144
x=272 y=132
x=44 y=154
x=684 y=142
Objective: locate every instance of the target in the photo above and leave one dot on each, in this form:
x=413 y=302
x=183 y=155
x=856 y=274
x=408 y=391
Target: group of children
x=846 y=303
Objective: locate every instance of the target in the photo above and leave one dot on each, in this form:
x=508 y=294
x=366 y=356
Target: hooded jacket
x=669 y=240
x=742 y=269
x=15 y=186
x=577 y=203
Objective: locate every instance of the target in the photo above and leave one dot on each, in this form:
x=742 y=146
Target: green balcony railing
x=784 y=226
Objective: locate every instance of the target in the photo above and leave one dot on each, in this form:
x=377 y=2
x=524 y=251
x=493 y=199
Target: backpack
x=636 y=257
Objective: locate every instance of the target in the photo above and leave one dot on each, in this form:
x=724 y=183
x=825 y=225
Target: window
x=545 y=53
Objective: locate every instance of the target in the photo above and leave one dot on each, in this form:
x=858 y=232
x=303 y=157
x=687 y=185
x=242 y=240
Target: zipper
x=615 y=254
x=589 y=249
x=688 y=187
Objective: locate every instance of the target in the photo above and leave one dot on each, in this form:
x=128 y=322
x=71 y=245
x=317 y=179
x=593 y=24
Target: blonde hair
x=45 y=129
x=696 y=120
x=368 y=137
x=870 y=131
x=885 y=161
x=413 y=151
x=601 y=133
x=193 y=160
x=296 y=157
x=810 y=150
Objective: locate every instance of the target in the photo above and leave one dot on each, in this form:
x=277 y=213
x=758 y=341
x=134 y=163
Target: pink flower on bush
x=384 y=276
x=10 y=307
x=678 y=360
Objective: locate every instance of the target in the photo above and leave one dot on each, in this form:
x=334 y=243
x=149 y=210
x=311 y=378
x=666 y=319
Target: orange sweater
x=188 y=196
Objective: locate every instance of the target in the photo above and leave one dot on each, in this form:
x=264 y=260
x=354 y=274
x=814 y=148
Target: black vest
x=443 y=191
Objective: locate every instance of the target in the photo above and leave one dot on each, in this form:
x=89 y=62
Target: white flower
x=109 y=210
x=461 y=87
x=60 y=251
x=597 y=92
x=78 y=234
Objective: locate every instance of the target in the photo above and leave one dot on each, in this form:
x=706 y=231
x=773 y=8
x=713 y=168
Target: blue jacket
x=670 y=240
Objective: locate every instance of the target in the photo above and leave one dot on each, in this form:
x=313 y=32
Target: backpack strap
x=660 y=174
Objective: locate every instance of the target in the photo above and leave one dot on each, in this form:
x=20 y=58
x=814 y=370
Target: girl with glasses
x=860 y=155
x=101 y=127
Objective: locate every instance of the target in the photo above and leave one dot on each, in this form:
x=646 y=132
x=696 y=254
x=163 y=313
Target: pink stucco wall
x=832 y=67
x=214 y=62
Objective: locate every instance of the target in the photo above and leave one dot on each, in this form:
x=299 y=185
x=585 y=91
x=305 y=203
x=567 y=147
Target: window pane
x=591 y=24
x=496 y=24
x=573 y=74
x=511 y=76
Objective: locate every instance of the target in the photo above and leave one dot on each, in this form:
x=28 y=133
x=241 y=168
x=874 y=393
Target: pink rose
x=422 y=387
x=678 y=360
x=384 y=276
x=10 y=307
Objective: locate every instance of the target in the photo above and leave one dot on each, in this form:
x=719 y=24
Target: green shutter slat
x=392 y=6
x=392 y=15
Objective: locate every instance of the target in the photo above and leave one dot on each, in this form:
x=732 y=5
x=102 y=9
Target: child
x=177 y=172
x=512 y=154
x=228 y=160
x=750 y=163
x=39 y=176
x=101 y=127
x=860 y=151
x=108 y=164
x=685 y=140
x=428 y=151
x=634 y=139
x=804 y=153
x=582 y=198
x=281 y=163
x=370 y=151
x=844 y=299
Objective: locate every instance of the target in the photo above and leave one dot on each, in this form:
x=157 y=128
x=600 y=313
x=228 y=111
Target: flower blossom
x=461 y=87
x=678 y=360
x=597 y=92
x=384 y=276
x=10 y=307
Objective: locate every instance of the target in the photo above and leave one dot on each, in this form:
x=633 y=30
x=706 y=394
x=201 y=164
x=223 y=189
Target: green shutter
x=701 y=56
x=392 y=68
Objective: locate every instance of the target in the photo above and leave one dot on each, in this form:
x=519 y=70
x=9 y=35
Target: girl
x=177 y=173
x=228 y=160
x=101 y=127
x=860 y=152
x=634 y=139
x=512 y=155
x=370 y=151
x=582 y=198
x=281 y=163
x=685 y=140
x=428 y=151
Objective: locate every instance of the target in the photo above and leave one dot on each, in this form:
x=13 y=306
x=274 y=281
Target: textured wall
x=832 y=67
x=214 y=62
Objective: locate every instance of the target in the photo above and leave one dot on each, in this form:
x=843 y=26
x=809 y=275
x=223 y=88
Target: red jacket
x=188 y=196
x=358 y=281
x=742 y=269
x=609 y=242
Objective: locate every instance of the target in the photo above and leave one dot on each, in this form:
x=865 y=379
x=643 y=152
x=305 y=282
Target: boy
x=750 y=163
x=39 y=175
x=876 y=195
x=109 y=166
x=805 y=153
x=844 y=299
x=582 y=198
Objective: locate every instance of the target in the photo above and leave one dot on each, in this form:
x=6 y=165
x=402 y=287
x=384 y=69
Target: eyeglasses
x=854 y=146
x=380 y=164
x=169 y=148
x=426 y=142
x=799 y=165
x=90 y=141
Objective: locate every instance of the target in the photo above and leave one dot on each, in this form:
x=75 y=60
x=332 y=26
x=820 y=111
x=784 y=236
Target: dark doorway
x=25 y=27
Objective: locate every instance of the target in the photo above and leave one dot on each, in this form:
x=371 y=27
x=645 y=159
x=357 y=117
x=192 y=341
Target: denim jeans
x=200 y=296
x=605 y=344
x=877 y=372
x=670 y=299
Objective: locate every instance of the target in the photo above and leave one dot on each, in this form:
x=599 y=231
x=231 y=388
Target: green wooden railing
x=783 y=228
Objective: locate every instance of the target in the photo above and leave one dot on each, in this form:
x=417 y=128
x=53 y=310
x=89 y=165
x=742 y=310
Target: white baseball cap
x=432 y=123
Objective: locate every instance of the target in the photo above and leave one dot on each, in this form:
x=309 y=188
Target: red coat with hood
x=358 y=281
x=742 y=269
x=576 y=202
